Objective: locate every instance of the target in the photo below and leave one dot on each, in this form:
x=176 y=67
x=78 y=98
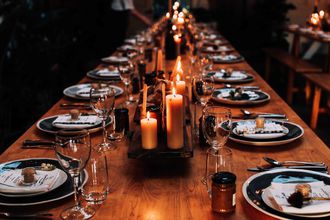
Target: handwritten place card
x=281 y=191
x=11 y=181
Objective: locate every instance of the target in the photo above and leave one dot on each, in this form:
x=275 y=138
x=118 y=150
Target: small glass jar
x=223 y=192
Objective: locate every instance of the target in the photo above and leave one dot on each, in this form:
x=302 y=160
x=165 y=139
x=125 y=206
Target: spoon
x=284 y=163
x=248 y=114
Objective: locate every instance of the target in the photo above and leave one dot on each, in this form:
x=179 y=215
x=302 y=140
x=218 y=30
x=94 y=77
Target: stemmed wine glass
x=216 y=129
x=126 y=75
x=102 y=99
x=73 y=149
x=203 y=86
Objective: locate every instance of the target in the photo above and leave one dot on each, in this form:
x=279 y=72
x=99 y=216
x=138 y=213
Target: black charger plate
x=295 y=132
x=253 y=187
x=63 y=191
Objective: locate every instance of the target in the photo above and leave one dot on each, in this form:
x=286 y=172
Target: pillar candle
x=149 y=132
x=144 y=101
x=180 y=85
x=160 y=60
x=174 y=120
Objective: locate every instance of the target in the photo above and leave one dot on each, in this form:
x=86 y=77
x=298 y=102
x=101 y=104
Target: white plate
x=115 y=59
x=219 y=95
x=261 y=136
x=72 y=91
x=255 y=203
x=267 y=195
x=235 y=75
x=295 y=132
x=62 y=177
x=63 y=191
x=77 y=126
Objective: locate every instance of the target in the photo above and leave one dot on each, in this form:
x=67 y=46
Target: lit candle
x=180 y=85
x=174 y=120
x=149 y=132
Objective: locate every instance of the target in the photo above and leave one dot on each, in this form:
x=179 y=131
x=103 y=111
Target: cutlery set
x=276 y=165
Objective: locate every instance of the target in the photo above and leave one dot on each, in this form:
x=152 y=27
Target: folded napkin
x=115 y=59
x=225 y=57
x=234 y=75
x=11 y=181
x=226 y=94
x=280 y=191
x=65 y=121
x=108 y=73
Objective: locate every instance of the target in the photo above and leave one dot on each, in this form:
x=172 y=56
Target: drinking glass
x=96 y=189
x=217 y=160
x=73 y=149
x=126 y=75
x=102 y=98
x=203 y=87
x=216 y=129
x=216 y=125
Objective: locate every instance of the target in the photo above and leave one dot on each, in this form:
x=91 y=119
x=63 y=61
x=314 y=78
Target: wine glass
x=126 y=75
x=203 y=86
x=102 y=99
x=216 y=129
x=73 y=149
x=216 y=125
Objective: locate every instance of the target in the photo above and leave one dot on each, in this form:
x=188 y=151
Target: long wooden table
x=172 y=189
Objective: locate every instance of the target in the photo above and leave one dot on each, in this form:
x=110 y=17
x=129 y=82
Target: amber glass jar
x=223 y=192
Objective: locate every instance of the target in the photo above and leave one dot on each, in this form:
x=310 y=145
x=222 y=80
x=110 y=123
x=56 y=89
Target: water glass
x=96 y=189
x=73 y=149
x=217 y=160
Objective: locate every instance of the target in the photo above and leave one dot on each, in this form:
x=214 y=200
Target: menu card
x=282 y=191
x=11 y=181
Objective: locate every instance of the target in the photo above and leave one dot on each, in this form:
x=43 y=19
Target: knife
x=78 y=105
x=254 y=116
x=29 y=142
x=312 y=168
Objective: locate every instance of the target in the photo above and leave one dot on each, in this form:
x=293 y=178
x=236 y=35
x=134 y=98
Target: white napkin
x=11 y=181
x=234 y=75
x=225 y=57
x=115 y=59
x=109 y=73
x=281 y=191
x=65 y=121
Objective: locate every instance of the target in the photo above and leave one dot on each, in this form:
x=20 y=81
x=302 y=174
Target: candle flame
x=148 y=115
x=321 y=13
x=177 y=38
x=175 y=16
x=177 y=77
x=174 y=91
x=167 y=15
x=173 y=27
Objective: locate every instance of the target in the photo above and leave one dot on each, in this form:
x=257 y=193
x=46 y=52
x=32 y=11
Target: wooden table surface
x=172 y=189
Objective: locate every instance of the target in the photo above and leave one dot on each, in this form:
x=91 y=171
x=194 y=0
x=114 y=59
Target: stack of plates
x=81 y=91
x=62 y=188
x=256 y=192
x=222 y=95
x=291 y=132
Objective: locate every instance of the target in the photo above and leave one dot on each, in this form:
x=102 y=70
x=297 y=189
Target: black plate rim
x=45 y=201
x=241 y=102
x=251 y=178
